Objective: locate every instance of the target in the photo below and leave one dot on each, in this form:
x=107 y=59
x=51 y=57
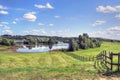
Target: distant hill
x=108 y=40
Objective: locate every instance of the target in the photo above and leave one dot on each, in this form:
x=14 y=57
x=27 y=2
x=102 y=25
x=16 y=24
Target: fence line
x=104 y=59
x=81 y=58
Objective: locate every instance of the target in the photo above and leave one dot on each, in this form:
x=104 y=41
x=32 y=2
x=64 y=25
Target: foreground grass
x=44 y=66
x=49 y=66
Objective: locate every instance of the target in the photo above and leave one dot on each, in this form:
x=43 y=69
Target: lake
x=42 y=48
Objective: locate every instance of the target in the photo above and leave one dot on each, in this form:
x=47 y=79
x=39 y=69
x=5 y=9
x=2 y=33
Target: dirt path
x=109 y=78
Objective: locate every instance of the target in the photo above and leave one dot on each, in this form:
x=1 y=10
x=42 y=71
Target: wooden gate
x=108 y=59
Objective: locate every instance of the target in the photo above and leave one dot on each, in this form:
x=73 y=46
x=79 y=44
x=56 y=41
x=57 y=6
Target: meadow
x=51 y=65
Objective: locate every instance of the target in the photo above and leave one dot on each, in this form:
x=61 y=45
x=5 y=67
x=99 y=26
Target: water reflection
x=42 y=47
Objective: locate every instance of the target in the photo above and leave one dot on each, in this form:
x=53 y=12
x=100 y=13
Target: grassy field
x=108 y=46
x=51 y=66
x=2 y=48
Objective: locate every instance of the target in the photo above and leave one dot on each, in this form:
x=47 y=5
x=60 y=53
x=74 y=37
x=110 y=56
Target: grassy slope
x=109 y=47
x=50 y=65
x=44 y=66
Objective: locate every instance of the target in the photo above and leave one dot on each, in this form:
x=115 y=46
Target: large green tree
x=73 y=45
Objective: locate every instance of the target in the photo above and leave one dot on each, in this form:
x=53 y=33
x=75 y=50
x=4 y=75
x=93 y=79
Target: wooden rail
x=81 y=58
x=104 y=59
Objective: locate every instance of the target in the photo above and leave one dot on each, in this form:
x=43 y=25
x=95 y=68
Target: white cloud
x=62 y=33
x=98 y=22
x=43 y=31
x=4 y=26
x=116 y=28
x=51 y=24
x=111 y=33
x=2 y=7
x=117 y=16
x=16 y=19
x=47 y=6
x=108 y=9
x=4 y=23
x=7 y=31
x=57 y=33
x=14 y=22
x=41 y=24
x=30 y=16
x=3 y=12
x=35 y=32
x=56 y=16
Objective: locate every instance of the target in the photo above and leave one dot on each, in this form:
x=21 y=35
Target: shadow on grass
x=112 y=73
x=105 y=70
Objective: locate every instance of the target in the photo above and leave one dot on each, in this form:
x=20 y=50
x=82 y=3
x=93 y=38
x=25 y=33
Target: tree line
x=7 y=42
x=84 y=42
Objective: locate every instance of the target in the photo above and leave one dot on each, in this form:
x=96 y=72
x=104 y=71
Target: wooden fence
x=81 y=58
x=107 y=59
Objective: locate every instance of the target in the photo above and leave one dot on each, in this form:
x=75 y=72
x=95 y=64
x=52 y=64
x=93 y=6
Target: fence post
x=118 y=61
x=105 y=58
x=111 y=57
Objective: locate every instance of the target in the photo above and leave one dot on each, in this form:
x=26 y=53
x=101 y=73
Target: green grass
x=46 y=65
x=2 y=48
x=108 y=46
x=49 y=66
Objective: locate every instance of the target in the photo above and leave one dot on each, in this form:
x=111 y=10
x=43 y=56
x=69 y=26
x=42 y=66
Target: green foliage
x=73 y=45
x=12 y=42
x=85 y=42
x=7 y=42
x=51 y=41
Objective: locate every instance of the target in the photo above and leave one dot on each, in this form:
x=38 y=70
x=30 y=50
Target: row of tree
x=34 y=40
x=39 y=39
x=7 y=42
x=84 y=42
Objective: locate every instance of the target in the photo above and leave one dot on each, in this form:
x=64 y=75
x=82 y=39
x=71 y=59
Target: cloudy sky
x=66 y=18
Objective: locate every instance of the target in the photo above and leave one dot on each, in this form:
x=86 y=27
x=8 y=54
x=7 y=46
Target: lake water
x=43 y=48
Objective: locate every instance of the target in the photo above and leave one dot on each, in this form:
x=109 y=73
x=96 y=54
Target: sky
x=65 y=18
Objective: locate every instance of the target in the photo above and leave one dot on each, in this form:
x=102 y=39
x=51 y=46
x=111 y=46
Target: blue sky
x=66 y=18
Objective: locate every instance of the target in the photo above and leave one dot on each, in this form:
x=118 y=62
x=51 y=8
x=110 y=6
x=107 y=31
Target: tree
x=5 y=42
x=30 y=40
x=51 y=41
x=12 y=42
x=73 y=45
x=85 y=35
x=85 y=42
